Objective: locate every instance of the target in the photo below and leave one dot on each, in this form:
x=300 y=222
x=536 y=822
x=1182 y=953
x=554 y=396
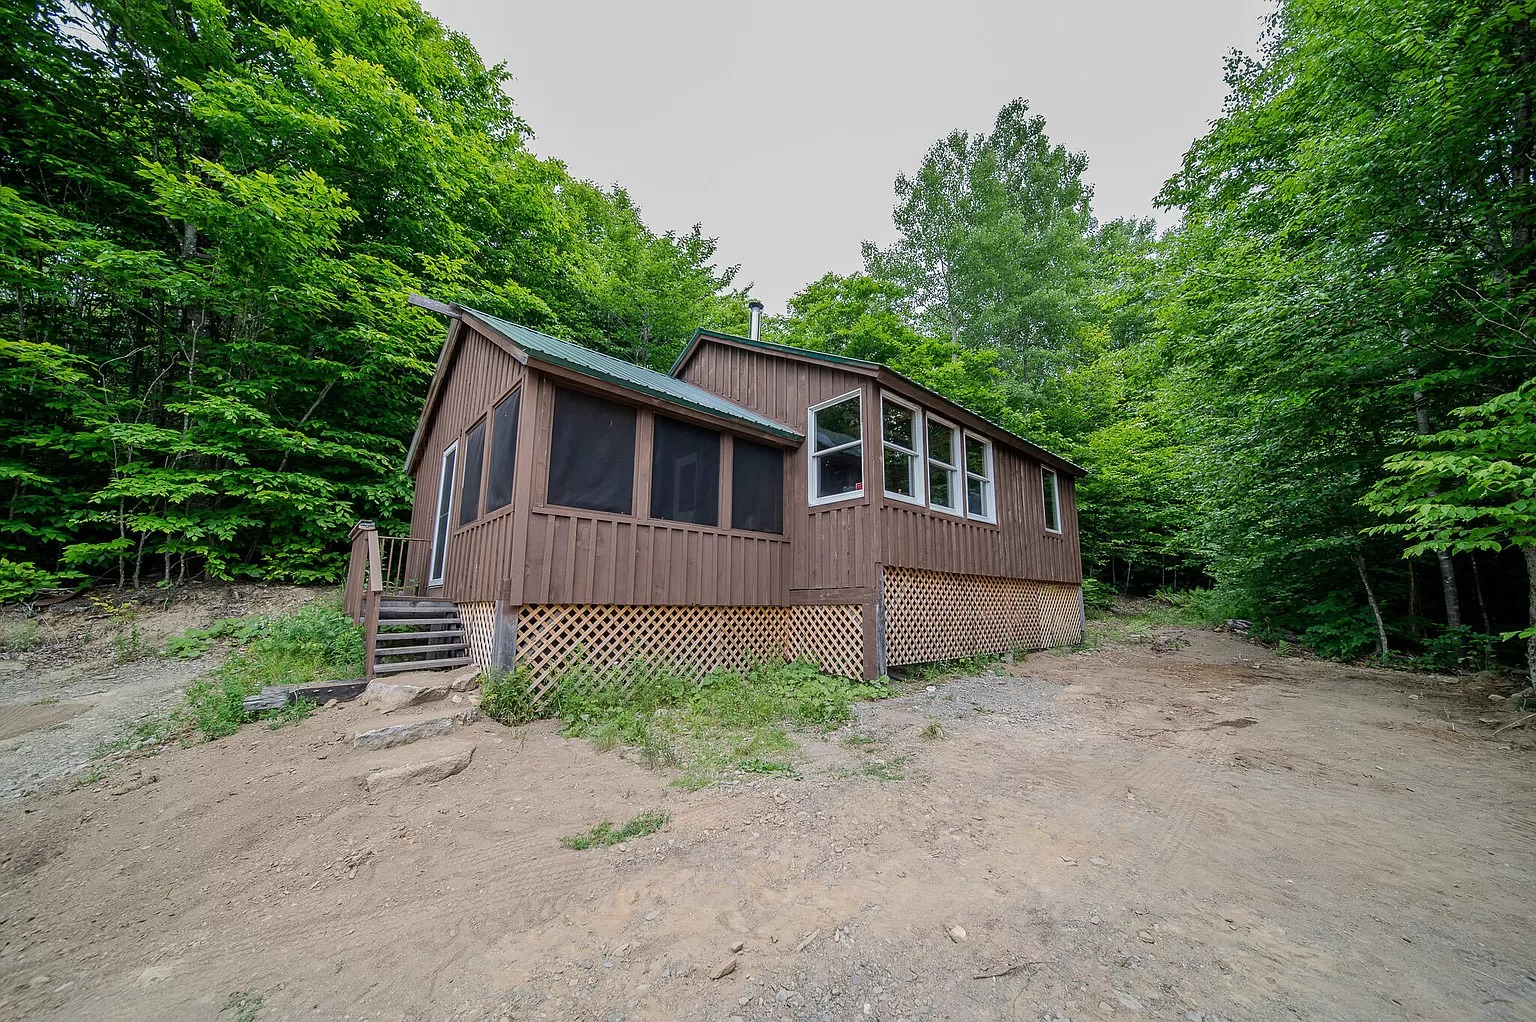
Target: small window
x=978 y=479
x=1049 y=490
x=592 y=453
x=757 y=487
x=901 y=430
x=943 y=466
x=685 y=473
x=498 y=483
x=444 y=516
x=474 y=460
x=837 y=456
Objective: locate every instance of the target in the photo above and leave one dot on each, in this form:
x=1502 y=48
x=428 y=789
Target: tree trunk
x=1477 y=589
x=1530 y=594
x=1370 y=597
x=1447 y=565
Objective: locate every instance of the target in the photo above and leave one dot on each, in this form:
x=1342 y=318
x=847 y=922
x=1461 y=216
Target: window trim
x=956 y=467
x=810 y=482
x=990 y=478
x=1055 y=498
x=485 y=422
x=917 y=454
x=492 y=434
x=435 y=580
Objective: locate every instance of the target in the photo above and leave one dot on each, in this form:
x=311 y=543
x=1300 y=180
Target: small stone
x=736 y=947
x=1099 y=861
x=1127 y=1001
x=330 y=703
x=1413 y=699
x=724 y=969
x=932 y=688
x=957 y=933
x=428 y=771
x=1146 y=937
x=1094 y=920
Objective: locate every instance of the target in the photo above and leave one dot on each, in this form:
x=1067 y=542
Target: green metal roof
x=630 y=376
x=788 y=349
x=859 y=363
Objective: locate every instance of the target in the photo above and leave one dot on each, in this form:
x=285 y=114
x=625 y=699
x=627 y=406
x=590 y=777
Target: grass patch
x=710 y=729
x=315 y=643
x=878 y=769
x=933 y=730
x=859 y=740
x=939 y=669
x=606 y=834
x=23 y=638
x=244 y=1005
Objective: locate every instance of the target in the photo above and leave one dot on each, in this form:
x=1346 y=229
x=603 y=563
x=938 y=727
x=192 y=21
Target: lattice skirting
x=610 y=640
x=934 y=615
x=479 y=630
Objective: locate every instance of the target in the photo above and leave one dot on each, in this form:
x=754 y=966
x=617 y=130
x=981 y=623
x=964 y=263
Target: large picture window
x=474 y=461
x=592 y=453
x=498 y=482
x=757 y=487
x=943 y=466
x=901 y=449
x=1051 y=495
x=443 y=519
x=685 y=473
x=837 y=452
x=979 y=496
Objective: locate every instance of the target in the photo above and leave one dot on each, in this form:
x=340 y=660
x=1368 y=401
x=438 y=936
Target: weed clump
x=722 y=724
x=606 y=834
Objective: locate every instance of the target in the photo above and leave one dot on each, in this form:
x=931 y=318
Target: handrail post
x=357 y=568
x=375 y=597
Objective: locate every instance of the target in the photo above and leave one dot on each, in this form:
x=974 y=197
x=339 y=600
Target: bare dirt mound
x=1089 y=836
x=85 y=671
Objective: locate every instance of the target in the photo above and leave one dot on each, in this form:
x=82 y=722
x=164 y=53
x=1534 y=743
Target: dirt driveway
x=1200 y=834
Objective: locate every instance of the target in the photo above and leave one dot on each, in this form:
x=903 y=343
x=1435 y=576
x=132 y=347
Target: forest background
x=1310 y=404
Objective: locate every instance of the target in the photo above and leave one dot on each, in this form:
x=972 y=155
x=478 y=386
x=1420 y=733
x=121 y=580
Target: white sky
x=781 y=127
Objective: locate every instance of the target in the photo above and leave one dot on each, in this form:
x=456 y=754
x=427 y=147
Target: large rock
x=450 y=760
x=407 y=731
x=418 y=687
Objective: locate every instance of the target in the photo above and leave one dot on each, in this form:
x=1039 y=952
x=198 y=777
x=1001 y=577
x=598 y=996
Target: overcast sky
x=780 y=127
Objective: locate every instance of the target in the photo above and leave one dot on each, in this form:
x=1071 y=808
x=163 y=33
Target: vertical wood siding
x=833 y=545
x=1017 y=547
x=479 y=554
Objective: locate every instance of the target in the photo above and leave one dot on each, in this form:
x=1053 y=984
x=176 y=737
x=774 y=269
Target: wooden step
x=420 y=665
x=441 y=647
x=414 y=621
x=446 y=633
x=405 y=601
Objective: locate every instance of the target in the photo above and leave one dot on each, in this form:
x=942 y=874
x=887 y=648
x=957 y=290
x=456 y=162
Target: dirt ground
x=89 y=670
x=1196 y=833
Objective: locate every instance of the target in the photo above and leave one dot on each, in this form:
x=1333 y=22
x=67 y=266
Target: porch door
x=442 y=523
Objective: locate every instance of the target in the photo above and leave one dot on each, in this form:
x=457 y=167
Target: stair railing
x=377 y=569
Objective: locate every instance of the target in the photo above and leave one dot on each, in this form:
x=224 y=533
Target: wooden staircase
x=417 y=635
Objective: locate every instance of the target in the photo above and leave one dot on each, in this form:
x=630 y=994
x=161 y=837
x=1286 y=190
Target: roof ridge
x=629 y=375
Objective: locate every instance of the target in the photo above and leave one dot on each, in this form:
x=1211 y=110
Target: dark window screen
x=592 y=454
x=685 y=473
x=757 y=487
x=498 y=487
x=474 y=458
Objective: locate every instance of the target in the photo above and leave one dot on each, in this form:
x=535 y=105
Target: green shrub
x=504 y=696
x=22 y=579
x=1098 y=597
x=1341 y=629
x=1462 y=648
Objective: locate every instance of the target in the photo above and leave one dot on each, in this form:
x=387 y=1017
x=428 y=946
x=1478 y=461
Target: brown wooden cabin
x=760 y=501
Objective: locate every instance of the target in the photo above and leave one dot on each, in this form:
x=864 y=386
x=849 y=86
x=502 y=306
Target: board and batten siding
x=577 y=556
x=481 y=552
x=1018 y=546
x=833 y=549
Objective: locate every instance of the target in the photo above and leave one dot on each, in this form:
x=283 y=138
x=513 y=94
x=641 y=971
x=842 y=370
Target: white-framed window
x=837 y=449
x=443 y=521
x=980 y=498
x=943 y=465
x=901 y=449
x=1050 y=493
